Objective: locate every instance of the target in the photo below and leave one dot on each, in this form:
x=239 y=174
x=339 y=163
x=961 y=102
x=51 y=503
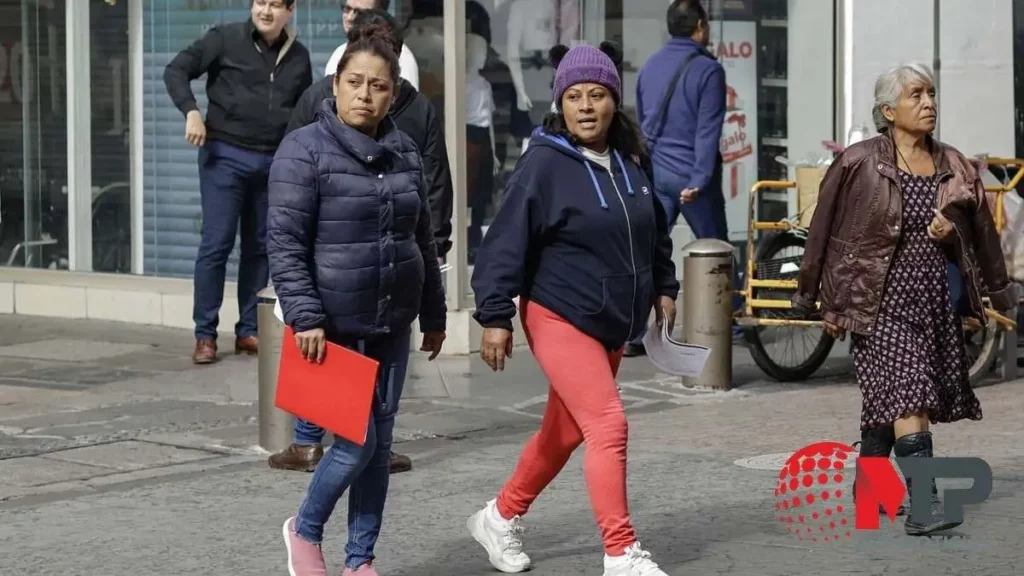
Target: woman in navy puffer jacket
x=353 y=260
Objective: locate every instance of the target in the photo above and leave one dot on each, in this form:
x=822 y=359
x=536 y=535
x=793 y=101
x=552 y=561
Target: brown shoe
x=297 y=457
x=249 y=345
x=205 y=352
x=400 y=463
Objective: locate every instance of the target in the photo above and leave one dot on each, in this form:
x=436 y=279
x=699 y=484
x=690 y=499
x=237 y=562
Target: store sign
x=736 y=53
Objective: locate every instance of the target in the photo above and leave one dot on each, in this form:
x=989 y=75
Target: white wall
x=976 y=108
x=886 y=33
x=976 y=81
x=810 y=78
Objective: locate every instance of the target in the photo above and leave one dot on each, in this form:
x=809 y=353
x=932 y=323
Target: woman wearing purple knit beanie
x=580 y=239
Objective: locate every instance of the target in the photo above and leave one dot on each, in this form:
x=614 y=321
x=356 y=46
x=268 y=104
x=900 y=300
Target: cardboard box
x=808 y=180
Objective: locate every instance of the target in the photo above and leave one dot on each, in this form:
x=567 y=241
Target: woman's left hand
x=432 y=342
x=940 y=228
x=668 y=311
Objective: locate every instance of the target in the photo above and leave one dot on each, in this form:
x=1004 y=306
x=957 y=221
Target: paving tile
x=39 y=471
x=69 y=350
x=131 y=455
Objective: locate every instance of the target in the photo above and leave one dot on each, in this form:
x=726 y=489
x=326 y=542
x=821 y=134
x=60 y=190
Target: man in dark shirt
x=415 y=115
x=255 y=72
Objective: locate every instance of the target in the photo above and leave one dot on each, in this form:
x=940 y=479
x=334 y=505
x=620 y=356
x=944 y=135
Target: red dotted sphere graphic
x=810 y=498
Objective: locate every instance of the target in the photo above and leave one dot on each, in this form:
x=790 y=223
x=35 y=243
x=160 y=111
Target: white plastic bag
x=1012 y=238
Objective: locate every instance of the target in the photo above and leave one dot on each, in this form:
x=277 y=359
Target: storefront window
x=111 y=137
x=33 y=135
x=508 y=91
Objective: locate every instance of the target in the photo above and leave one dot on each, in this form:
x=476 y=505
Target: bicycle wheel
x=982 y=348
x=803 y=349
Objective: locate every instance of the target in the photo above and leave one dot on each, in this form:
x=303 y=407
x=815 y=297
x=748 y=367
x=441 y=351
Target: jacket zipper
x=632 y=258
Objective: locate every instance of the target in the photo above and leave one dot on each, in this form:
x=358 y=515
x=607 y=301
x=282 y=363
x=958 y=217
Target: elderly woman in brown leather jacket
x=893 y=211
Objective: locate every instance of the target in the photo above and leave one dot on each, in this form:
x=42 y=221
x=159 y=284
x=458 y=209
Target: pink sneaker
x=364 y=570
x=304 y=558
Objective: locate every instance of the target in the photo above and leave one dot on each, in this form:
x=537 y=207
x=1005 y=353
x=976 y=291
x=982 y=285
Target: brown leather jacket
x=856 y=224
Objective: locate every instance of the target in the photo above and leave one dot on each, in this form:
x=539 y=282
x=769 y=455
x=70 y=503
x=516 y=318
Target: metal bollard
x=276 y=425
x=707 y=308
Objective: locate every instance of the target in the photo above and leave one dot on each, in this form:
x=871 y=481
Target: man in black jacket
x=415 y=115
x=255 y=72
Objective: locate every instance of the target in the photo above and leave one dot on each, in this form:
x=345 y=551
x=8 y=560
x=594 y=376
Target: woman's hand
x=940 y=228
x=668 y=311
x=836 y=332
x=312 y=345
x=495 y=346
x=432 y=342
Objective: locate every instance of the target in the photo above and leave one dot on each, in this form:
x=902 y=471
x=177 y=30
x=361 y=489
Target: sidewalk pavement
x=118 y=457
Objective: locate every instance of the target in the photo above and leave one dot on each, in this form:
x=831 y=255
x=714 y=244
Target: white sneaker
x=634 y=562
x=502 y=539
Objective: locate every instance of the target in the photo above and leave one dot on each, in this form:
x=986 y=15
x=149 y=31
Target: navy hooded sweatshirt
x=588 y=244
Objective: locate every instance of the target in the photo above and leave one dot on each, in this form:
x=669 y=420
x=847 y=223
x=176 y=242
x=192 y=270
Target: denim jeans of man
x=362 y=470
x=233 y=191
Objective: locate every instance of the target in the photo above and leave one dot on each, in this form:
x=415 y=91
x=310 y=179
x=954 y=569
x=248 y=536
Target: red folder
x=336 y=395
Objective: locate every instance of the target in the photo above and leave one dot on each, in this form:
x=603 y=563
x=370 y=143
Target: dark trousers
x=233 y=187
x=480 y=180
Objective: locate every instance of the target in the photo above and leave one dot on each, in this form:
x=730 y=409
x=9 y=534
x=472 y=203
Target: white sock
x=497 y=515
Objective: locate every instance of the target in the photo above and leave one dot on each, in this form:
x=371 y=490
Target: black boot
x=878 y=442
x=919 y=445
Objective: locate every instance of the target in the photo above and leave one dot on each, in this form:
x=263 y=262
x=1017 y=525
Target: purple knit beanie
x=586 y=64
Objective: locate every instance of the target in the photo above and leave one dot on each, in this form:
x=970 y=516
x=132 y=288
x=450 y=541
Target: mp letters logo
x=811 y=501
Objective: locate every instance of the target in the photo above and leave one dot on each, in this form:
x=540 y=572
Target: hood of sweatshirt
x=561 y=144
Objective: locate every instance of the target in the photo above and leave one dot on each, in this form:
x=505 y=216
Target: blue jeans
x=307 y=433
x=363 y=470
x=233 y=189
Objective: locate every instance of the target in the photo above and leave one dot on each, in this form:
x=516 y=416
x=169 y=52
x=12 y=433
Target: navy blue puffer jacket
x=348 y=232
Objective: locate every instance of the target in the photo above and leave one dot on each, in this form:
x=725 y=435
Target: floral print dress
x=915 y=359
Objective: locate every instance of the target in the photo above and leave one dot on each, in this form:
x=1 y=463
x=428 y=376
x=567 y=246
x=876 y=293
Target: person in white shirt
x=409 y=69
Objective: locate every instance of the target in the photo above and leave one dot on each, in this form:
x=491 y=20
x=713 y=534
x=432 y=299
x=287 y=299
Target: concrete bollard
x=707 y=308
x=276 y=425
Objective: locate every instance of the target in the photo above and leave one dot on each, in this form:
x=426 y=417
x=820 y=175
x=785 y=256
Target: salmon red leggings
x=583 y=407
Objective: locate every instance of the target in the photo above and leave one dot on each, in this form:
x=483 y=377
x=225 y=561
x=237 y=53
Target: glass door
x=33 y=134
x=111 y=137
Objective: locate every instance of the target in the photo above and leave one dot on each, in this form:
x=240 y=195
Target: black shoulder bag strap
x=667 y=97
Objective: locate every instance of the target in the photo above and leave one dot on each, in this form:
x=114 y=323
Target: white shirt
x=479 y=101
x=602 y=158
x=409 y=69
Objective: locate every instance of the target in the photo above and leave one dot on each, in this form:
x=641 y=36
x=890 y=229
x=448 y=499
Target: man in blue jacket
x=680 y=104
x=686 y=80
